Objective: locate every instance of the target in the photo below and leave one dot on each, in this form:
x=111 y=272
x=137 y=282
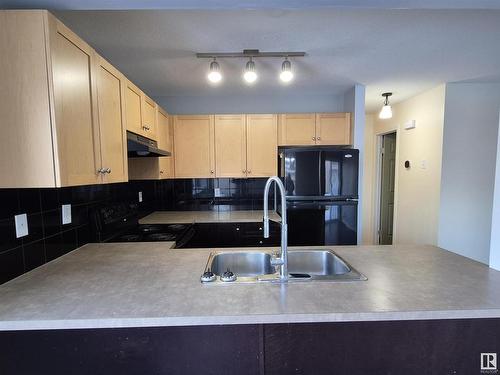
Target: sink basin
x=245 y=264
x=303 y=265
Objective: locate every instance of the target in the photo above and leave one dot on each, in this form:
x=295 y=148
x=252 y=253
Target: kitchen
x=132 y=220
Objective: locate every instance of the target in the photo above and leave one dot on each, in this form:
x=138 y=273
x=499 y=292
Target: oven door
x=320 y=223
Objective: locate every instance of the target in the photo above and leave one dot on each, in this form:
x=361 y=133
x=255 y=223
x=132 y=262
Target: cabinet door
x=133 y=108
x=78 y=149
x=165 y=142
x=297 y=129
x=230 y=146
x=149 y=117
x=111 y=122
x=194 y=146
x=262 y=145
x=333 y=129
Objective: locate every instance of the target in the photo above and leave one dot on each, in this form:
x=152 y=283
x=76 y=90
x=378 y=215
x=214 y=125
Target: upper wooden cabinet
x=149 y=119
x=333 y=129
x=156 y=168
x=62 y=115
x=111 y=112
x=315 y=129
x=262 y=145
x=133 y=106
x=297 y=129
x=230 y=146
x=194 y=146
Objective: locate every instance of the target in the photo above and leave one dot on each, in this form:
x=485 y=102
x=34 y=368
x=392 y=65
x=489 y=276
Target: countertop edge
x=20 y=325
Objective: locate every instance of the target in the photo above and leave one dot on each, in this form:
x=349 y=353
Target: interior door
x=111 y=122
x=230 y=146
x=75 y=109
x=387 y=189
x=262 y=145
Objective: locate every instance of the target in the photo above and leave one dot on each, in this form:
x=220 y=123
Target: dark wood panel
x=207 y=350
x=404 y=347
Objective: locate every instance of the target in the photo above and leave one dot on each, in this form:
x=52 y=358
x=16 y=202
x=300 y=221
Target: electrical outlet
x=217 y=192
x=140 y=196
x=21 y=225
x=66 y=214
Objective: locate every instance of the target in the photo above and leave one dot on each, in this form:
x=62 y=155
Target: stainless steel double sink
x=303 y=266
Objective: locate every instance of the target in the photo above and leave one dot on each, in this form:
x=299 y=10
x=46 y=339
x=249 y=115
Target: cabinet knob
x=108 y=170
x=244 y=171
x=161 y=172
x=249 y=171
x=313 y=138
x=100 y=170
x=212 y=172
x=319 y=138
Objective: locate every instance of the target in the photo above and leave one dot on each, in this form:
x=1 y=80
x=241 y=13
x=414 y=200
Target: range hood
x=139 y=146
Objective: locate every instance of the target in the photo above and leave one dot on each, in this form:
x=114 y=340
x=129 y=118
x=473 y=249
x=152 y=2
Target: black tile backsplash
x=48 y=238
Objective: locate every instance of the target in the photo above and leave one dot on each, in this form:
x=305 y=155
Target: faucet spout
x=282 y=262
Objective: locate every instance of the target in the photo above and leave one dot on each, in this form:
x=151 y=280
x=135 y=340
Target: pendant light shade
x=250 y=74
x=386 y=111
x=286 y=74
x=214 y=74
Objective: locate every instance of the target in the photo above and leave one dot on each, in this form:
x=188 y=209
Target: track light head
x=214 y=74
x=286 y=74
x=250 y=74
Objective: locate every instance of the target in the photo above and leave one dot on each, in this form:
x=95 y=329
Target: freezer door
x=339 y=173
x=322 y=223
x=300 y=171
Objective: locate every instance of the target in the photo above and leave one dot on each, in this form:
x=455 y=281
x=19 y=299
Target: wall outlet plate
x=217 y=192
x=21 y=225
x=140 y=196
x=66 y=214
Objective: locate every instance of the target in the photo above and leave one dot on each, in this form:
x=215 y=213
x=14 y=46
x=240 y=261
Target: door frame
x=378 y=186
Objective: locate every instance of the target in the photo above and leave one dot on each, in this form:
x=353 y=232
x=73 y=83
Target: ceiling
x=403 y=51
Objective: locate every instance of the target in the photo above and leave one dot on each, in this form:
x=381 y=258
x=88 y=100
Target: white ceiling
x=403 y=51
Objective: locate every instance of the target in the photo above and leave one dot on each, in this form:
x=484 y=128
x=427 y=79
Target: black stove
x=120 y=223
x=152 y=233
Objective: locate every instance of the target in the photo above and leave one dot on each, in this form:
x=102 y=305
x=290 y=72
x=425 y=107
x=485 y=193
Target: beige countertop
x=184 y=217
x=149 y=284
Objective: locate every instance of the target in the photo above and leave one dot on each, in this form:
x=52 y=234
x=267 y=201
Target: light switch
x=66 y=214
x=21 y=225
x=140 y=196
x=423 y=164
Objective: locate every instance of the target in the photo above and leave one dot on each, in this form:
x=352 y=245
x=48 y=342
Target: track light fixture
x=214 y=74
x=386 y=111
x=286 y=74
x=250 y=73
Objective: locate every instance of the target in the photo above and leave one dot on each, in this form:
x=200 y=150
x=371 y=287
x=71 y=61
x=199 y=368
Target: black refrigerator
x=322 y=195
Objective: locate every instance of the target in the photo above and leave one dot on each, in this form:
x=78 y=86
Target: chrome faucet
x=282 y=261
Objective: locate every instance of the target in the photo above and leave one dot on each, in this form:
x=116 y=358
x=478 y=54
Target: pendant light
x=214 y=74
x=386 y=111
x=250 y=74
x=286 y=74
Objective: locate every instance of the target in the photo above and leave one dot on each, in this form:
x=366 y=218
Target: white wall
x=417 y=190
x=367 y=215
x=354 y=102
x=469 y=159
x=251 y=103
x=495 y=223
